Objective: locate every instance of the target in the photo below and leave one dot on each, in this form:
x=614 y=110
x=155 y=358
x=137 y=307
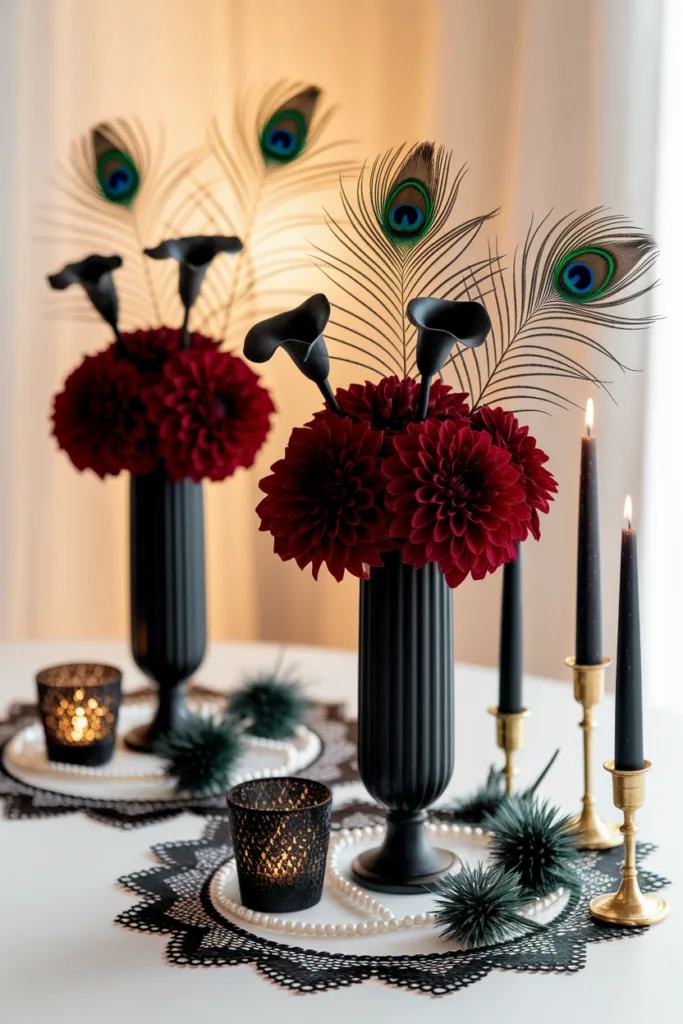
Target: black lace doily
x=336 y=763
x=176 y=902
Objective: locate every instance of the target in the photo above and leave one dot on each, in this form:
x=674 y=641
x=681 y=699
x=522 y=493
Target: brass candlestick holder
x=510 y=738
x=592 y=833
x=629 y=906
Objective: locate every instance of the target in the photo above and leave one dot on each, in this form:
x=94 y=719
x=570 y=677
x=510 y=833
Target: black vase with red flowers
x=172 y=409
x=400 y=484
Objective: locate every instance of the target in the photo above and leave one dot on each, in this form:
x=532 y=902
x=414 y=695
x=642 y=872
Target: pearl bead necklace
x=382 y=920
x=29 y=743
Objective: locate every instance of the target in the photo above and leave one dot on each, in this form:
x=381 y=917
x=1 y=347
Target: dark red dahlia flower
x=506 y=432
x=99 y=418
x=211 y=413
x=392 y=403
x=151 y=348
x=454 y=498
x=323 y=500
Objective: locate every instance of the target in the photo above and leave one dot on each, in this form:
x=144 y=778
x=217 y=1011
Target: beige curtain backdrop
x=549 y=108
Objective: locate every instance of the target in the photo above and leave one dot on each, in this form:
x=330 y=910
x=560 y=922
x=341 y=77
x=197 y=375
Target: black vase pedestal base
x=370 y=870
x=406 y=862
x=140 y=739
x=171 y=711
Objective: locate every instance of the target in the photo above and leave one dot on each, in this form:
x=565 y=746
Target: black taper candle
x=511 y=657
x=628 y=745
x=588 y=605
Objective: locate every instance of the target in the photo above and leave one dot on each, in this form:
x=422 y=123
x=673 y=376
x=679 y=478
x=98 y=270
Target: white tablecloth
x=62 y=959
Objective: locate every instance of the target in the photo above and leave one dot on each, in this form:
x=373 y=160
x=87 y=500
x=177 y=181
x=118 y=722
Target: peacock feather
x=569 y=278
x=117 y=172
x=284 y=134
x=118 y=190
x=408 y=209
x=396 y=244
x=270 y=161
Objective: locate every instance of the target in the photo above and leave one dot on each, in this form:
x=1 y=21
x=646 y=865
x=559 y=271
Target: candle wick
x=629 y=523
x=588 y=430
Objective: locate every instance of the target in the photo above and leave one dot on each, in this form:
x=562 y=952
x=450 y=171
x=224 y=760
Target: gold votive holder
x=591 y=832
x=629 y=906
x=79 y=708
x=510 y=738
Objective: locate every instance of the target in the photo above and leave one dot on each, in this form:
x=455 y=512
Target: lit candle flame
x=628 y=510
x=589 y=415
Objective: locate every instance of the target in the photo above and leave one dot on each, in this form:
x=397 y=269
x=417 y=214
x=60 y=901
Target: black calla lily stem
x=185 y=329
x=328 y=394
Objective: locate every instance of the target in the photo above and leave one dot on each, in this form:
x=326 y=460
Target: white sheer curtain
x=662 y=551
x=550 y=107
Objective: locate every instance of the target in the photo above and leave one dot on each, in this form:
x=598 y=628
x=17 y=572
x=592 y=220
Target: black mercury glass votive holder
x=281 y=831
x=79 y=708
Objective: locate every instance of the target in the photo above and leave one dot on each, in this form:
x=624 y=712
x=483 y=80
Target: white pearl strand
x=381 y=920
x=26 y=743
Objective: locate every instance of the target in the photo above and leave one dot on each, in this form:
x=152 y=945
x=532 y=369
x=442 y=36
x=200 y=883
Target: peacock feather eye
x=407 y=212
x=118 y=177
x=284 y=136
x=585 y=274
x=117 y=174
x=285 y=132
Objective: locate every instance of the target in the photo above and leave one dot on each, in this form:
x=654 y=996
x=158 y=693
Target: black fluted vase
x=167 y=593
x=405 y=718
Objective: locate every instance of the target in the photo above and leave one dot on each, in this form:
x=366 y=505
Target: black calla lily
x=194 y=254
x=440 y=324
x=94 y=275
x=300 y=333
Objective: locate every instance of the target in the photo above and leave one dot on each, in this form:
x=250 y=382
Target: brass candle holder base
x=591 y=832
x=510 y=738
x=629 y=906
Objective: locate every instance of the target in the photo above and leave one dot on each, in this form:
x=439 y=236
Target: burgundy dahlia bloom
x=526 y=457
x=211 y=413
x=324 y=499
x=392 y=403
x=99 y=418
x=454 y=498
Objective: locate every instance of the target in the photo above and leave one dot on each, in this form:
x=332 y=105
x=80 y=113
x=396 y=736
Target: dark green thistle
x=536 y=842
x=488 y=799
x=201 y=754
x=481 y=906
x=269 y=707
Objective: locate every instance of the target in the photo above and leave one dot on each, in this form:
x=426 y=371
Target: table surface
x=62 y=958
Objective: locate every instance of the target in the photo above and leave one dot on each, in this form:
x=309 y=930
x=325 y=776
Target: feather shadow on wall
x=569 y=276
x=270 y=162
x=116 y=191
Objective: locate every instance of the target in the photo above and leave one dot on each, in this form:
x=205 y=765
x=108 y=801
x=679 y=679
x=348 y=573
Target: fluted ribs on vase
x=405 y=715
x=168 y=592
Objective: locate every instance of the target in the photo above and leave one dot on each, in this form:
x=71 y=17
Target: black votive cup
x=281 y=832
x=79 y=708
